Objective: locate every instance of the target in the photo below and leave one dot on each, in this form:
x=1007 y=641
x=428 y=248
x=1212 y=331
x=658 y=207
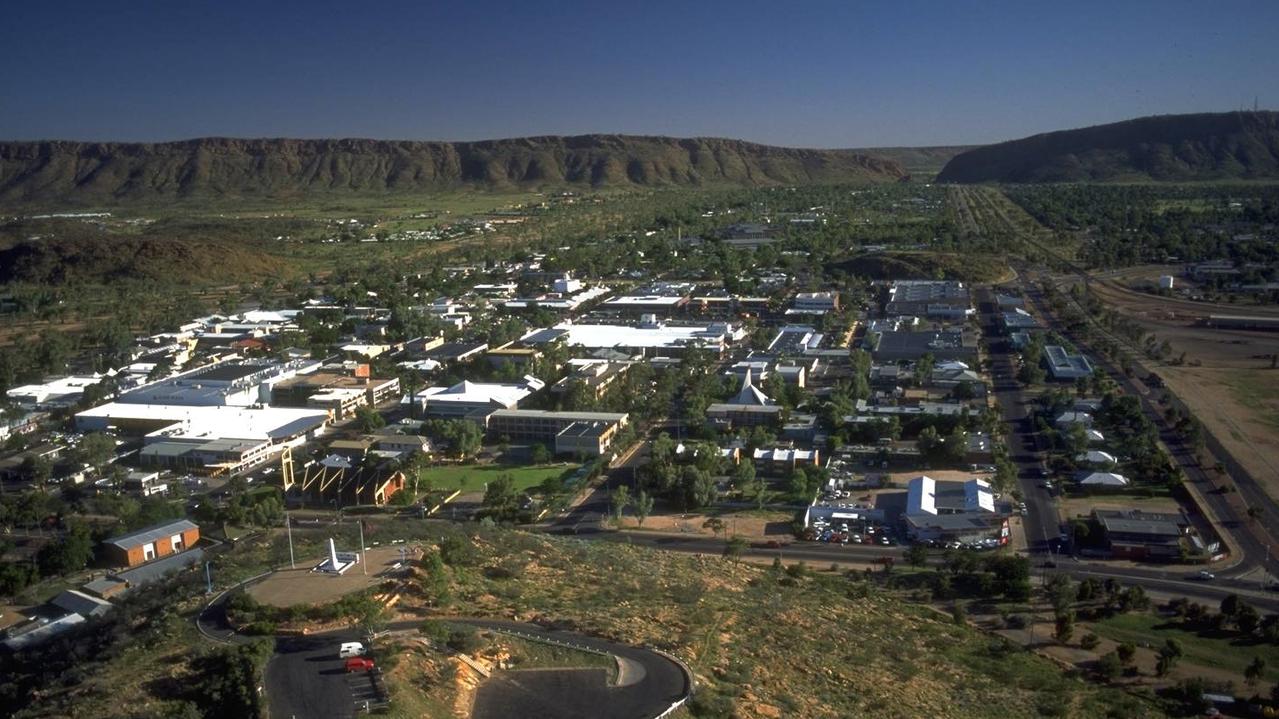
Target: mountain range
x=216 y=168
x=1172 y=148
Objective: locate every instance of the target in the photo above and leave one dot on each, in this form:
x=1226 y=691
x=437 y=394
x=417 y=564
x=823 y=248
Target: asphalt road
x=576 y=693
x=1154 y=579
x=1041 y=522
x=1254 y=545
x=305 y=679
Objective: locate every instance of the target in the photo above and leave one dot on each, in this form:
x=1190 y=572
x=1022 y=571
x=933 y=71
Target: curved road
x=305 y=678
x=656 y=683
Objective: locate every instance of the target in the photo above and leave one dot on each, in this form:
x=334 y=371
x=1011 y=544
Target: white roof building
x=648 y=335
x=927 y=496
x=1096 y=456
x=203 y=422
x=58 y=392
x=1103 y=479
x=468 y=398
x=1066 y=419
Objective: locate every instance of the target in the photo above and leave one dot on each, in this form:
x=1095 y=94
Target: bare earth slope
x=1228 y=145
x=213 y=168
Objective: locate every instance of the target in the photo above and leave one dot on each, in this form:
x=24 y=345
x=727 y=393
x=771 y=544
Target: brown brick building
x=130 y=550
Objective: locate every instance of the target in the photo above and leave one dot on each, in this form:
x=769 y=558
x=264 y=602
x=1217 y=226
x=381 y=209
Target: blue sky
x=813 y=74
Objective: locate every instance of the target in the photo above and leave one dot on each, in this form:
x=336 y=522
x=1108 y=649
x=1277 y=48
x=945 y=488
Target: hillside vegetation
x=1201 y=147
x=921 y=162
x=926 y=266
x=62 y=261
x=78 y=173
x=764 y=642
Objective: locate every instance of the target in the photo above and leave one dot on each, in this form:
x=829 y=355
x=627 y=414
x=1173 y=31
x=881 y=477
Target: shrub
x=464 y=639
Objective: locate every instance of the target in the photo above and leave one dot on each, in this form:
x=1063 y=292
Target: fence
x=545 y=640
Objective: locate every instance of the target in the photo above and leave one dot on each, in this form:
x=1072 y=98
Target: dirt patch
x=1225 y=380
x=1071 y=507
x=748 y=525
x=1240 y=408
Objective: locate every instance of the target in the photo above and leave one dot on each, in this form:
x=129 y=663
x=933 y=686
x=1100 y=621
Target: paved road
x=1154 y=579
x=1256 y=554
x=570 y=694
x=1041 y=523
x=305 y=678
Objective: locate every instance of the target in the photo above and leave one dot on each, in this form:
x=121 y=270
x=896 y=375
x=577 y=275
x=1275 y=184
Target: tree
x=1169 y=654
x=924 y=369
x=1064 y=627
x=435 y=582
x=368 y=419
x=734 y=548
x=457 y=550
x=370 y=615
x=69 y=555
x=963 y=391
x=917 y=555
x=620 y=500
x=96 y=449
x=715 y=524
x=1089 y=641
x=697 y=487
x=1230 y=605
x=1060 y=592
x=643 y=507
x=1089 y=589
x=36 y=470
x=1109 y=667
x=1247 y=619
x=1127 y=652
x=1255 y=671
x=500 y=498
x=539 y=454
x=743 y=475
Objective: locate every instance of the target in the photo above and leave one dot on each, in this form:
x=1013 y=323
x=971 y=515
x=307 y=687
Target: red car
x=359 y=664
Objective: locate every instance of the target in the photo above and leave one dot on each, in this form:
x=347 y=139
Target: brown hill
x=81 y=173
x=1221 y=146
x=55 y=261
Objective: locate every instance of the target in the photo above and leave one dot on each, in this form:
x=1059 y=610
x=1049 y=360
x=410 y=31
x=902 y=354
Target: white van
x=350 y=649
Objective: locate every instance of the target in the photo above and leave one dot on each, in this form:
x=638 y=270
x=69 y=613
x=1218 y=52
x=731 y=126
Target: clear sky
x=799 y=73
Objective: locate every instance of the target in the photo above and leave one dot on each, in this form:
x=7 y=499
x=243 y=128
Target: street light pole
x=288 y=527
x=364 y=565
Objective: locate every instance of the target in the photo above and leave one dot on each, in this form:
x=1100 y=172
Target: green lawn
x=1207 y=650
x=472 y=478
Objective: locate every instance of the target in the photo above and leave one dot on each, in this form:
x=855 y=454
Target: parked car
x=359 y=664
x=350 y=649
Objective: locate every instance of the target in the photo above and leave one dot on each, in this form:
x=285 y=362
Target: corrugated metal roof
x=151 y=534
x=81 y=603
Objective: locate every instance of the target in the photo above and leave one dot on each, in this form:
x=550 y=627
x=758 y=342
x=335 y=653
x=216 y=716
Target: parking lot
x=306 y=678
